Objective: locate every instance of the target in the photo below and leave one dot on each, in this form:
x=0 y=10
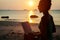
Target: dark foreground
x=18 y=35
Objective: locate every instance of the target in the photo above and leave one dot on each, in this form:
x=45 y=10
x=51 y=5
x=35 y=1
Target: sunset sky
x=25 y=4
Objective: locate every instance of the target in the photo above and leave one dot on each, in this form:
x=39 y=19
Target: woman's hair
x=44 y=5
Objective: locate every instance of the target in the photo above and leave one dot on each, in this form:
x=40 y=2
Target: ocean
x=24 y=15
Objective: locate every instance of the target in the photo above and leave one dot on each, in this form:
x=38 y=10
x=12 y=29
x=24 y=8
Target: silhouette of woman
x=46 y=25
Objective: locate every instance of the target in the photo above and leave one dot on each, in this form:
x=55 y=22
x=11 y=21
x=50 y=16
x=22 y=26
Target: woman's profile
x=46 y=26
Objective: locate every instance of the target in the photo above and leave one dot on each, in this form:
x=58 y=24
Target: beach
x=19 y=19
x=13 y=30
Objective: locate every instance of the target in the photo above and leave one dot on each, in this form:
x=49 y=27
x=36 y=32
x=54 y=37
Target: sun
x=31 y=3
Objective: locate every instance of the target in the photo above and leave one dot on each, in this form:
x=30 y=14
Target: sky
x=25 y=4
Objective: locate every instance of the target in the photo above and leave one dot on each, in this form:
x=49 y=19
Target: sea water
x=24 y=15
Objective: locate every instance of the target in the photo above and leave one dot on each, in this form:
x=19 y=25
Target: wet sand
x=13 y=31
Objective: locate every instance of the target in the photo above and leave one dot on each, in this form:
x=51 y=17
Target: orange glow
x=31 y=13
x=31 y=3
x=29 y=19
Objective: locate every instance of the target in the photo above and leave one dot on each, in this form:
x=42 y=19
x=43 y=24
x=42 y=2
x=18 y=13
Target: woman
x=46 y=25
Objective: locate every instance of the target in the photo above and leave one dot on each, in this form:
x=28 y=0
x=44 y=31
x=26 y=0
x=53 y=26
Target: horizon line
x=25 y=10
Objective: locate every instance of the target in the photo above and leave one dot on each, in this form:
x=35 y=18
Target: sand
x=14 y=31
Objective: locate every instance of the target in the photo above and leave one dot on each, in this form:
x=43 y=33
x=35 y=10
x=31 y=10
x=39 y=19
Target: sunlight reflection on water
x=32 y=20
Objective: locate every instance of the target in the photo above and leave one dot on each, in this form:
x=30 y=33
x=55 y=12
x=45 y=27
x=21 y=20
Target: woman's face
x=41 y=9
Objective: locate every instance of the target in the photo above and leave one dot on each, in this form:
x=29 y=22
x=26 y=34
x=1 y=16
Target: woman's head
x=44 y=5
